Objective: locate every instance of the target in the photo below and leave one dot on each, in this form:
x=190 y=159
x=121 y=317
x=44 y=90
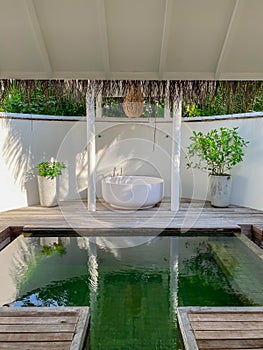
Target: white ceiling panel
x=245 y=52
x=134 y=34
x=71 y=34
x=131 y=39
x=197 y=34
x=19 y=49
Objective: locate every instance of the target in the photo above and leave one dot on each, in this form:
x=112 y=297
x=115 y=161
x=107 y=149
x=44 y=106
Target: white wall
x=247 y=185
x=24 y=143
x=132 y=147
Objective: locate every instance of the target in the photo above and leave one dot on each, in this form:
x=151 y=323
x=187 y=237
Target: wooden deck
x=222 y=328
x=194 y=215
x=43 y=328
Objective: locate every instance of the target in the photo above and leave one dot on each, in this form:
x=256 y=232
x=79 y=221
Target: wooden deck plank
x=230 y=344
x=35 y=337
x=79 y=340
x=43 y=328
x=226 y=334
x=191 y=215
x=221 y=327
x=36 y=328
x=226 y=316
x=38 y=320
x=35 y=346
x=10 y=312
x=227 y=325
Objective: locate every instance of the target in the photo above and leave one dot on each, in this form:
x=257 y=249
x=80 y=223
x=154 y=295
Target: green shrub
x=218 y=150
x=38 y=103
x=50 y=169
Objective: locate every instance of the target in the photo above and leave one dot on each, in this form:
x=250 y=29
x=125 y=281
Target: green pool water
x=134 y=292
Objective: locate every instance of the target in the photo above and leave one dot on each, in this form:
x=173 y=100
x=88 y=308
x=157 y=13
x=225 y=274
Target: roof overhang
x=131 y=39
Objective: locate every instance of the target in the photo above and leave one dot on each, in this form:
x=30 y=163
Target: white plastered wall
x=137 y=149
x=130 y=146
x=23 y=144
x=247 y=185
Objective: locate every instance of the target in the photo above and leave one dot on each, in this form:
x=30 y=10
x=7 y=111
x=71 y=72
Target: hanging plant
x=133 y=102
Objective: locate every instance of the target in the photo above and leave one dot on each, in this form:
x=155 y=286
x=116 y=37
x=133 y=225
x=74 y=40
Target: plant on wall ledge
x=217 y=152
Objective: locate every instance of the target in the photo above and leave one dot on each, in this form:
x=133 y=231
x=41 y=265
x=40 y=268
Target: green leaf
x=50 y=169
x=218 y=150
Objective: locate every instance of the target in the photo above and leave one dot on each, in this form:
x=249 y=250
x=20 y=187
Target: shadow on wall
x=138 y=149
x=17 y=156
x=26 y=143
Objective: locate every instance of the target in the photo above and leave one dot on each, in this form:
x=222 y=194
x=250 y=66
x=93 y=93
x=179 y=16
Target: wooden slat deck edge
x=191 y=215
x=81 y=329
x=82 y=323
x=186 y=329
x=187 y=332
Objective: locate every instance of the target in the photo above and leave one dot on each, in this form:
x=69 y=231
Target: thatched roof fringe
x=191 y=90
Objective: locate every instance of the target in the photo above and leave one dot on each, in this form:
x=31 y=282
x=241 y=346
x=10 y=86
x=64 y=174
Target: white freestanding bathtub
x=132 y=192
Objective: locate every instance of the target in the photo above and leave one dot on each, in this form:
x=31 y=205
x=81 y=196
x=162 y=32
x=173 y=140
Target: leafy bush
x=225 y=103
x=246 y=97
x=50 y=169
x=37 y=103
x=218 y=150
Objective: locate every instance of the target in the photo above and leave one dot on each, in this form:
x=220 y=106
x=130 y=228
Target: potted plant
x=218 y=152
x=47 y=181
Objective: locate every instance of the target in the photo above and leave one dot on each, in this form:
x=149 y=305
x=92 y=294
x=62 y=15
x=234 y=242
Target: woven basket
x=133 y=102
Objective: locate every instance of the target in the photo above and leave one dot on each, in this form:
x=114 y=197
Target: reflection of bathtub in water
x=132 y=192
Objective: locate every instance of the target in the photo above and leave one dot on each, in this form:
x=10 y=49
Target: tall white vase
x=47 y=189
x=220 y=190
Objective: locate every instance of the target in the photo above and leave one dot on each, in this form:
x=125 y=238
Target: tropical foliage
x=244 y=97
x=67 y=98
x=50 y=169
x=217 y=151
x=36 y=102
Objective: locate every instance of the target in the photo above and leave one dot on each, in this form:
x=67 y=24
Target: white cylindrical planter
x=220 y=190
x=47 y=191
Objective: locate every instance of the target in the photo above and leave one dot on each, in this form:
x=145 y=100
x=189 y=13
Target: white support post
x=91 y=150
x=176 y=145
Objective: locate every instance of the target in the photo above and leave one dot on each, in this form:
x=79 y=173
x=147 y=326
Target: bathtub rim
x=156 y=180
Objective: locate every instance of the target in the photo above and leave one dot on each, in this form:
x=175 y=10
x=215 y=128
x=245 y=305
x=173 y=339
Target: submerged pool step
x=238 y=263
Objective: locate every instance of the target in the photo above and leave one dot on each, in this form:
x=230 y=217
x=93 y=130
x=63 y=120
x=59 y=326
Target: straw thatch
x=153 y=90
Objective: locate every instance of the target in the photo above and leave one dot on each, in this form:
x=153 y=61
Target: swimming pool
x=133 y=292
